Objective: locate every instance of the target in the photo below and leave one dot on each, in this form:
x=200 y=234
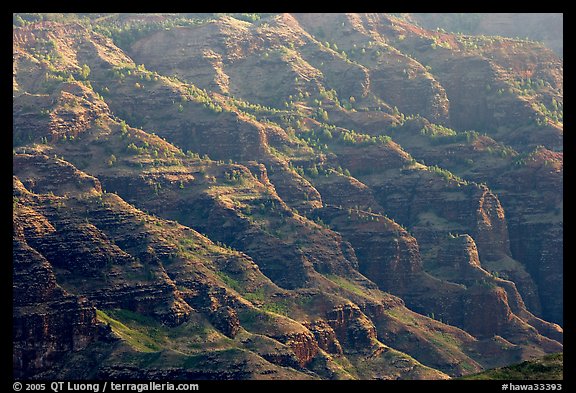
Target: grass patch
x=135 y=338
x=279 y=307
x=347 y=285
x=440 y=339
x=146 y=334
x=403 y=315
x=229 y=281
x=258 y=296
x=345 y=365
x=259 y=321
x=252 y=319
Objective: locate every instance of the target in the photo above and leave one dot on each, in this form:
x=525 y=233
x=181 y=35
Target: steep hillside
x=293 y=196
x=548 y=368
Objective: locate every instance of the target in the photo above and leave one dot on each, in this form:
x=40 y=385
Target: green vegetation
x=440 y=135
x=347 y=285
x=128 y=28
x=280 y=307
x=229 y=281
x=25 y=18
x=111 y=160
x=321 y=138
x=234 y=176
x=201 y=96
x=446 y=174
x=437 y=130
x=351 y=138
x=137 y=339
x=550 y=367
x=84 y=72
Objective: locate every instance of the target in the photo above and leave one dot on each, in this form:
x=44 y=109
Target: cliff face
x=48 y=321
x=282 y=198
x=527 y=186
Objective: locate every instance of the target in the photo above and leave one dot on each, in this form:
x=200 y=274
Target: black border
x=405 y=385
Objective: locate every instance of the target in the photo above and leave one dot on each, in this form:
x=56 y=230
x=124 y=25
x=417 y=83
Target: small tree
x=313 y=171
x=84 y=72
x=111 y=160
x=132 y=149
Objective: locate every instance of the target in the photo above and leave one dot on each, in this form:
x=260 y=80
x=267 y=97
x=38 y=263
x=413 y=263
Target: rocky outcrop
x=293 y=189
x=353 y=329
x=527 y=187
x=53 y=176
x=434 y=205
x=395 y=264
x=346 y=192
x=303 y=345
x=226 y=320
x=292 y=334
x=491 y=230
x=216 y=302
x=387 y=254
x=272 y=350
x=487 y=311
x=458 y=261
x=325 y=336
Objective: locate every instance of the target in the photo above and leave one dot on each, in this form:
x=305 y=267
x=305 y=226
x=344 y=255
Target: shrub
x=111 y=160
